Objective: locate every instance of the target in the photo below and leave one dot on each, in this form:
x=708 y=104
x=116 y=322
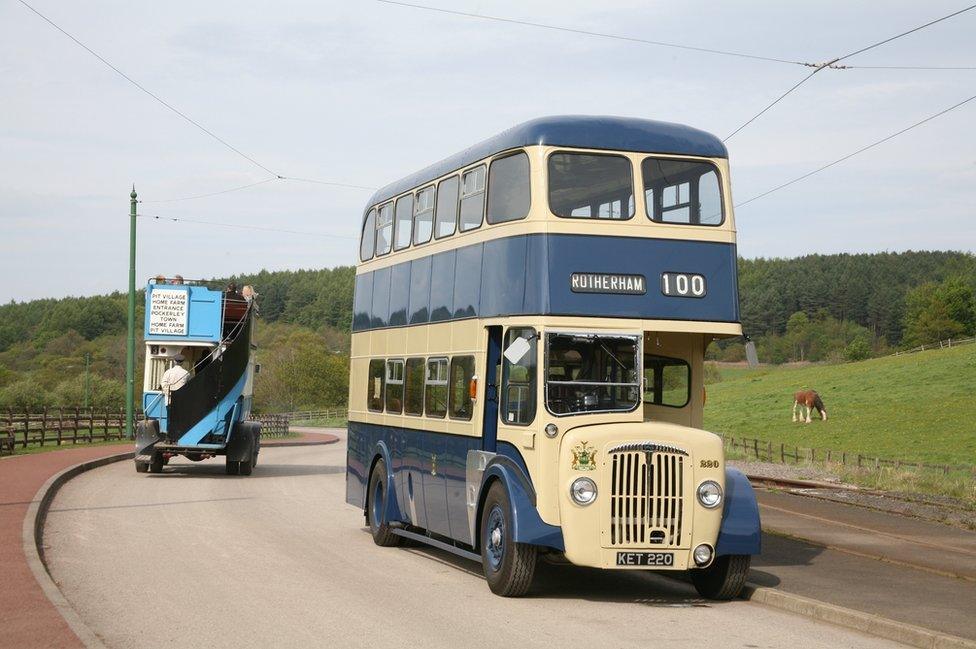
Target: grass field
x=916 y=407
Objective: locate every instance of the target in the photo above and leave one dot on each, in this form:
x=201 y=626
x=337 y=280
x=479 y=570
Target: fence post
x=859 y=458
x=91 y=425
x=813 y=455
x=755 y=447
x=782 y=454
x=828 y=456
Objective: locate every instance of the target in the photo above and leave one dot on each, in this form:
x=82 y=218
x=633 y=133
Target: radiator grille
x=646 y=498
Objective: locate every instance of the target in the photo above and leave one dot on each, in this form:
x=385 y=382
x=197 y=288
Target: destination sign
x=168 y=309
x=608 y=283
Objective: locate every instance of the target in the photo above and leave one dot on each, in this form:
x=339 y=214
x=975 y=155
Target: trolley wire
x=275 y=175
x=223 y=191
x=832 y=63
x=859 y=151
x=241 y=226
x=585 y=32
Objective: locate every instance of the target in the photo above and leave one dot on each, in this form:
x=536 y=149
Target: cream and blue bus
x=530 y=323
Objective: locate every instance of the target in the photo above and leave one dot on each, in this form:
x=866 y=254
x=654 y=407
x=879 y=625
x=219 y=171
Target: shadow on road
x=216 y=470
x=558 y=581
x=141 y=505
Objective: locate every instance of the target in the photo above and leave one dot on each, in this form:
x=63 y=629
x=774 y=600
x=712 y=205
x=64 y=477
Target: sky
x=363 y=93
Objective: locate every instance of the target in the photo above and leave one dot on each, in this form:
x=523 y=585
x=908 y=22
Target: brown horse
x=808 y=399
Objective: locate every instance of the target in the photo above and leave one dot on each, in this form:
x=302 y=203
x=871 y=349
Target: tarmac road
x=196 y=558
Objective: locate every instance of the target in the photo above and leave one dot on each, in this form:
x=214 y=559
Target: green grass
x=334 y=422
x=916 y=407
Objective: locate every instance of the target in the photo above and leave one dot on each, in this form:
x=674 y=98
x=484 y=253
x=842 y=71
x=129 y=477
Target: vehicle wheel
x=245 y=467
x=232 y=468
x=156 y=465
x=376 y=506
x=142 y=467
x=723 y=579
x=508 y=566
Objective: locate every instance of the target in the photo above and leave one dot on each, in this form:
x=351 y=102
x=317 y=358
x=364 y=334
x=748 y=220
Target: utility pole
x=87 y=379
x=130 y=346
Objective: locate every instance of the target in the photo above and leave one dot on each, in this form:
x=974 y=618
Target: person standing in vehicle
x=175 y=377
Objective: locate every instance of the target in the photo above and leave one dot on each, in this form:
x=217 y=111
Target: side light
x=551 y=430
x=473 y=388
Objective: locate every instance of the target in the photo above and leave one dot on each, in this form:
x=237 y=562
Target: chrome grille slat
x=646 y=496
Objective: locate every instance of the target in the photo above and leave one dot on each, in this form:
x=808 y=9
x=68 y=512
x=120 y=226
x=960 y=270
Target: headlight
x=710 y=494
x=583 y=491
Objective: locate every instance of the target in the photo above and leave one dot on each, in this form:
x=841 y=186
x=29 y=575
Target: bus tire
x=142 y=467
x=508 y=566
x=156 y=464
x=376 y=507
x=724 y=579
x=244 y=467
x=231 y=467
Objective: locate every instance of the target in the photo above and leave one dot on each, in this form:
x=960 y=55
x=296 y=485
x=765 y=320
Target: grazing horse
x=808 y=399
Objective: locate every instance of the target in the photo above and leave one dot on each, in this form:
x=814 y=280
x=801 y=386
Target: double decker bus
x=529 y=330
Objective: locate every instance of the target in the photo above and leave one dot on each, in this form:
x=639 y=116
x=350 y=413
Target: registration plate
x=645 y=558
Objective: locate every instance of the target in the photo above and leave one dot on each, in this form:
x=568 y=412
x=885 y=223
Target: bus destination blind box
x=168 y=311
x=608 y=283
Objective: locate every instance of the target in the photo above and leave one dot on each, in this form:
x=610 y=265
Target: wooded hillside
x=819 y=307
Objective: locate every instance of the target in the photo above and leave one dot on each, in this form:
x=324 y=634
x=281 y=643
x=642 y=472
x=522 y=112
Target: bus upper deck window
x=423 y=219
x=472 y=198
x=384 y=229
x=404 y=222
x=367 y=244
x=591 y=186
x=445 y=214
x=682 y=191
x=508 y=188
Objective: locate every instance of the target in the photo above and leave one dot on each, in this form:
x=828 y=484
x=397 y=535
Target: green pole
x=130 y=347
x=87 y=378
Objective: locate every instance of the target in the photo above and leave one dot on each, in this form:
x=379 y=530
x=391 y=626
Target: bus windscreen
x=592 y=373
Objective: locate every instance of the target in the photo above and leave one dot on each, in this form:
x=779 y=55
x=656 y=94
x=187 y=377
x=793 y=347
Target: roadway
x=193 y=557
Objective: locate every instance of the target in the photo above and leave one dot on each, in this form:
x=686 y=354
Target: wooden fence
x=272 y=425
x=59 y=426
x=767 y=451
x=312 y=415
x=942 y=344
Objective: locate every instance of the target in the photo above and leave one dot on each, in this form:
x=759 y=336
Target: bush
x=857 y=350
x=25 y=395
x=712 y=374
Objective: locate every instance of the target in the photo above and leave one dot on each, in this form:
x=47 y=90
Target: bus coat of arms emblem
x=584 y=457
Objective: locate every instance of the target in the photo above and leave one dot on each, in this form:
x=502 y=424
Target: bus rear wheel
x=156 y=465
x=376 y=508
x=142 y=467
x=508 y=566
x=724 y=579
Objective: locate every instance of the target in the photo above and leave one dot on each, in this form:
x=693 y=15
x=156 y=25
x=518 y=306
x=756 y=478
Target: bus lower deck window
x=394 y=386
x=592 y=373
x=435 y=390
x=413 y=387
x=519 y=378
x=667 y=381
x=462 y=371
x=374 y=385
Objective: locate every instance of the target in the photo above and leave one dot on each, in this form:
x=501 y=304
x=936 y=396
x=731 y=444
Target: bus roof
x=578 y=131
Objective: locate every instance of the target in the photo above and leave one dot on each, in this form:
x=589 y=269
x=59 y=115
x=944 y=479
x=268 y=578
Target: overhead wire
x=829 y=64
x=584 y=32
x=275 y=175
x=177 y=219
x=223 y=191
x=859 y=151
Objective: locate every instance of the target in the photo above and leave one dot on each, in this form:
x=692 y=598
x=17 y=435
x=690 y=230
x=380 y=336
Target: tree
x=935 y=312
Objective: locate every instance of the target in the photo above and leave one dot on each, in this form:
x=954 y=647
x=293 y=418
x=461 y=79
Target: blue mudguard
x=392 y=508
x=528 y=526
x=741 y=532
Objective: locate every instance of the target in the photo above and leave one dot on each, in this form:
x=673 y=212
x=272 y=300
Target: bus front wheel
x=508 y=566
x=723 y=579
x=376 y=507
